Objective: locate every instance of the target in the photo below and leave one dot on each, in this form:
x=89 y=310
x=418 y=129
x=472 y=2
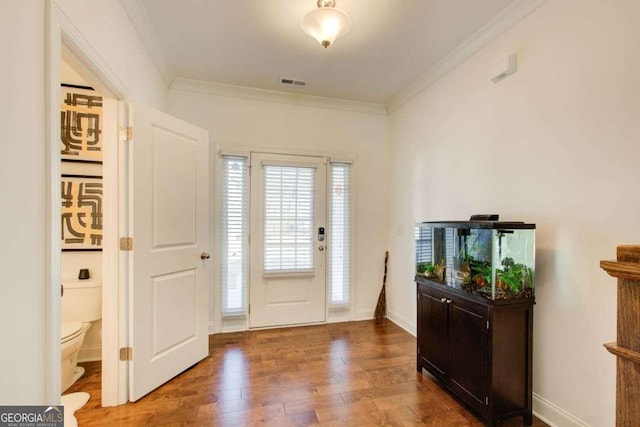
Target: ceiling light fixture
x=326 y=23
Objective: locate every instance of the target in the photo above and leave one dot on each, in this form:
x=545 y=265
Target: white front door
x=168 y=308
x=288 y=211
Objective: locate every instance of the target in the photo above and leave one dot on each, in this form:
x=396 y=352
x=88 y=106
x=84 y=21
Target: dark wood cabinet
x=479 y=349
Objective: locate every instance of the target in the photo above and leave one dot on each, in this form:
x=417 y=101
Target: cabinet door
x=432 y=333
x=468 y=342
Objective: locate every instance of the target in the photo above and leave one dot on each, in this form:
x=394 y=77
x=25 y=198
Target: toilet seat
x=69 y=331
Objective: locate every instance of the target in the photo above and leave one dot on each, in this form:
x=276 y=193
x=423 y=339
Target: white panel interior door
x=287 y=267
x=170 y=207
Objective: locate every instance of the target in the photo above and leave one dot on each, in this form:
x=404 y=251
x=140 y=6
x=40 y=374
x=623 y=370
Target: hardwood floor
x=344 y=374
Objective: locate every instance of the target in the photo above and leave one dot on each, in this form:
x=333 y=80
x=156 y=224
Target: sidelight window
x=234 y=235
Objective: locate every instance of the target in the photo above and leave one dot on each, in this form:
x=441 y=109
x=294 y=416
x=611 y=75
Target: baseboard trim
x=364 y=315
x=90 y=354
x=554 y=415
x=403 y=322
x=339 y=316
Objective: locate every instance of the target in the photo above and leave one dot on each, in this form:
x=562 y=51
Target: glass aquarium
x=493 y=259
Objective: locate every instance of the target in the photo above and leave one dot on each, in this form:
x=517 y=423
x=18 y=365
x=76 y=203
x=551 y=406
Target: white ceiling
x=253 y=43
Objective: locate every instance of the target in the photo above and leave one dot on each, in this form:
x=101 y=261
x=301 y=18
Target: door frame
x=62 y=37
x=241 y=323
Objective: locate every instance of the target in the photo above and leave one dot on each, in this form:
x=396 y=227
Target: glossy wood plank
x=622 y=270
x=625 y=353
x=628 y=253
x=344 y=374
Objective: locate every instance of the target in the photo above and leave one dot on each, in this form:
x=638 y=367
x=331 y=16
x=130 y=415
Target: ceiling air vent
x=292 y=82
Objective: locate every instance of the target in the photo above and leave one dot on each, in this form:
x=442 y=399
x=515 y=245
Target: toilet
x=81 y=305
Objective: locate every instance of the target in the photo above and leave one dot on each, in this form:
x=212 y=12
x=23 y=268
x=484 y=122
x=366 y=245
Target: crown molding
x=513 y=14
x=142 y=24
x=204 y=87
x=509 y=17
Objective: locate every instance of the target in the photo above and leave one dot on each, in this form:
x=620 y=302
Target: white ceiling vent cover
x=292 y=82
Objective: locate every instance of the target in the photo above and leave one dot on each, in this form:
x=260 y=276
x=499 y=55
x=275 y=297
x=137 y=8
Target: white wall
x=22 y=185
x=272 y=125
x=23 y=258
x=555 y=144
x=106 y=27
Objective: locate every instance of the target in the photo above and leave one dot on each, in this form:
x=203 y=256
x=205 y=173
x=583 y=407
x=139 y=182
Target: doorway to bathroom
x=89 y=217
x=82 y=221
x=155 y=261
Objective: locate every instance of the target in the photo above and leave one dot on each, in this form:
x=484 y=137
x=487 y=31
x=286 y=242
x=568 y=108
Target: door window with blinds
x=288 y=219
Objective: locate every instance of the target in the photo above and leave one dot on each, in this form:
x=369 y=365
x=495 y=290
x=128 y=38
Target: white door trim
x=52 y=165
x=61 y=32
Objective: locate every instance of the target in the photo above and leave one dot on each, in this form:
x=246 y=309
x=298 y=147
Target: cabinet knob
x=443 y=300
x=449 y=301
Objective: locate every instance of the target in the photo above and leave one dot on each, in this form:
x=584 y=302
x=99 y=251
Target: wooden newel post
x=627 y=348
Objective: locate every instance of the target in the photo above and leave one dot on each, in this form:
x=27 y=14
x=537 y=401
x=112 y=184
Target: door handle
x=205 y=255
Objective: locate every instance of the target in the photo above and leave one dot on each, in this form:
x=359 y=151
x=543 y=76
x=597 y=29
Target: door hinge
x=486 y=400
x=126 y=133
x=249 y=308
x=126 y=243
x=487 y=325
x=126 y=353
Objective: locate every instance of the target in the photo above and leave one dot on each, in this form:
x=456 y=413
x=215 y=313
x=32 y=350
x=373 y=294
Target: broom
x=381 y=307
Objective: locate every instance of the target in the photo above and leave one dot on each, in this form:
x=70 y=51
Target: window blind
x=339 y=234
x=423 y=245
x=449 y=238
x=234 y=236
x=288 y=219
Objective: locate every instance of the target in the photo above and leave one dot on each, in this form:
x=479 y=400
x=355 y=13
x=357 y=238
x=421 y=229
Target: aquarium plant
x=425 y=268
x=514 y=277
x=481 y=273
